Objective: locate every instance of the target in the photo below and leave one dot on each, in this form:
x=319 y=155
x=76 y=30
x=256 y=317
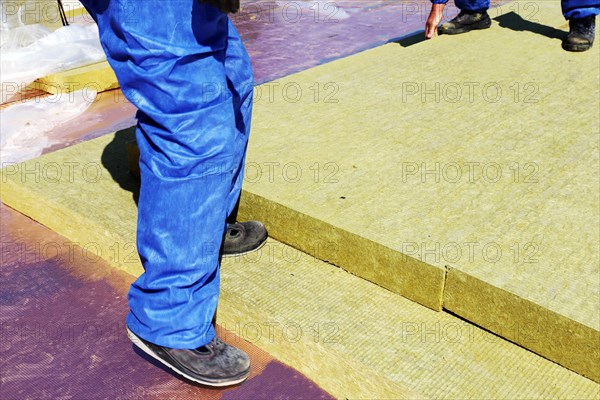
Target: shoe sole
x=577 y=48
x=216 y=383
x=245 y=252
x=477 y=26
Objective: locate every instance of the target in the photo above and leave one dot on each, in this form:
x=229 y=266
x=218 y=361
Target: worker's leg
x=169 y=56
x=241 y=237
x=240 y=82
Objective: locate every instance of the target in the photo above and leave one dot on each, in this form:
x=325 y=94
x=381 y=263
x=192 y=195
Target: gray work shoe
x=581 y=35
x=464 y=22
x=243 y=237
x=215 y=364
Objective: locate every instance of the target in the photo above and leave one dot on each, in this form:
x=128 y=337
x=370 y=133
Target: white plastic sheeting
x=25 y=127
x=32 y=51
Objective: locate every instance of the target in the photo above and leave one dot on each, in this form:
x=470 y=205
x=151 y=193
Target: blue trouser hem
x=581 y=12
x=134 y=325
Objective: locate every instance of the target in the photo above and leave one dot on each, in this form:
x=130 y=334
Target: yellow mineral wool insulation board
x=84 y=193
x=43 y=12
x=97 y=77
x=74 y=8
x=353 y=338
x=539 y=329
x=364 y=257
x=477 y=152
x=279 y=297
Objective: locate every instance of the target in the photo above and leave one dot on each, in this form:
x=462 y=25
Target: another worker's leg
x=240 y=83
x=473 y=15
x=169 y=56
x=582 y=23
x=245 y=236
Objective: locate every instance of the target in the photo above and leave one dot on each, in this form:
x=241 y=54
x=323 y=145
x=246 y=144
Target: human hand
x=435 y=16
x=226 y=6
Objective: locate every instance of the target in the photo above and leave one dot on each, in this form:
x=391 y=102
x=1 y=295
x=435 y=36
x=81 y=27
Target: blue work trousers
x=183 y=65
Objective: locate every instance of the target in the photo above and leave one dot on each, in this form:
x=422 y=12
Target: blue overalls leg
x=183 y=65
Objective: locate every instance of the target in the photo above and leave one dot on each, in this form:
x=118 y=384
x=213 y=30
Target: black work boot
x=464 y=22
x=581 y=35
x=215 y=364
x=243 y=237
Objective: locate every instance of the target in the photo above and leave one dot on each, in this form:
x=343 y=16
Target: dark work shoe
x=464 y=22
x=215 y=364
x=243 y=237
x=581 y=35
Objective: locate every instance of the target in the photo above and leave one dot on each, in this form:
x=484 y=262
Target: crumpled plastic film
x=32 y=51
x=22 y=36
x=25 y=128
